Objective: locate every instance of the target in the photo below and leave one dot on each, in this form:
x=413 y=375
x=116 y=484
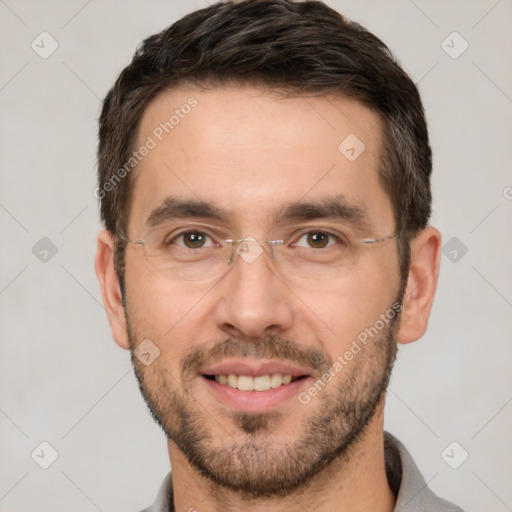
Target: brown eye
x=317 y=239
x=191 y=240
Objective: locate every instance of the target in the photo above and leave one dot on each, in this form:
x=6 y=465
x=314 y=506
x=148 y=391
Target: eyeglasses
x=198 y=252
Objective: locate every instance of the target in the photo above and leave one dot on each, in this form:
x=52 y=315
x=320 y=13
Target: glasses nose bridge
x=250 y=249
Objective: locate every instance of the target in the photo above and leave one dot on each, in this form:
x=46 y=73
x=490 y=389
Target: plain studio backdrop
x=64 y=382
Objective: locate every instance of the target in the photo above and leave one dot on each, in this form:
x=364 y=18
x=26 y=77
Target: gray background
x=62 y=378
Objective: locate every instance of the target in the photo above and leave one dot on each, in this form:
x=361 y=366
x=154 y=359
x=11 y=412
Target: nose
x=254 y=300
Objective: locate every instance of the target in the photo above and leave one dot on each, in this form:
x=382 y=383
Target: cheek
x=170 y=314
x=355 y=303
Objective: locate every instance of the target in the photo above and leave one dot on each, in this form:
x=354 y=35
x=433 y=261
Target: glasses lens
x=185 y=252
x=196 y=252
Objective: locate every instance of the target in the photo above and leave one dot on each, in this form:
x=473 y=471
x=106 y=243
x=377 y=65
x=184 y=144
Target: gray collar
x=413 y=492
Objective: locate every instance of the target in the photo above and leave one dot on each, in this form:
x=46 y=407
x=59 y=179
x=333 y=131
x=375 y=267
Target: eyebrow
x=176 y=208
x=331 y=208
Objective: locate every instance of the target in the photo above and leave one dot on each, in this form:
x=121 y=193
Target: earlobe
x=421 y=285
x=110 y=289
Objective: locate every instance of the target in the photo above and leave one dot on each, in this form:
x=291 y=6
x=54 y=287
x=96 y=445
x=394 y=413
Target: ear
x=110 y=289
x=421 y=285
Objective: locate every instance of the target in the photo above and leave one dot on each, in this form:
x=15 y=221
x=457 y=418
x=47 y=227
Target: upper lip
x=255 y=368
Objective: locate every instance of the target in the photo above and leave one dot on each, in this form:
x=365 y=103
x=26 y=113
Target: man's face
x=252 y=155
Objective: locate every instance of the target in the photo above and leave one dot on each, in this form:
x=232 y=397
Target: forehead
x=249 y=151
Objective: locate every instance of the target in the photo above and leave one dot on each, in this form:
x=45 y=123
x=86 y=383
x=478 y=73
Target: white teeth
x=233 y=381
x=248 y=383
x=245 y=383
x=276 y=380
x=261 y=383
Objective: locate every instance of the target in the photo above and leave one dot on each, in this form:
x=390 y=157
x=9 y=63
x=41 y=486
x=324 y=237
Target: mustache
x=268 y=347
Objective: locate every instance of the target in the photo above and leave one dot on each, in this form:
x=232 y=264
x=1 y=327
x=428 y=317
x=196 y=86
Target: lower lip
x=255 y=401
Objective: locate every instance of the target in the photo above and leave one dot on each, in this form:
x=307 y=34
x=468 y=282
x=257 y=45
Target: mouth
x=249 y=383
x=254 y=386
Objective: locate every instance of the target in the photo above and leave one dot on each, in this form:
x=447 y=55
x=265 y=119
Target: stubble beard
x=257 y=467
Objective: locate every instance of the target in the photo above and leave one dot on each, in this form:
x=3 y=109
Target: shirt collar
x=413 y=492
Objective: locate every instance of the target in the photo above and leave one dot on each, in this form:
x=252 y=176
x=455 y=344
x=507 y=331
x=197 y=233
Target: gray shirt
x=404 y=478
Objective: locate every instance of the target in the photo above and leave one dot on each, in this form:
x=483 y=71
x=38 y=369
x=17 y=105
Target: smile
x=249 y=383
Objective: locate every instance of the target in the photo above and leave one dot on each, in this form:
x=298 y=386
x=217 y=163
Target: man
x=264 y=176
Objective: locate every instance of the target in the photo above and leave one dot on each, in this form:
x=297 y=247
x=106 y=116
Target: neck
x=354 y=482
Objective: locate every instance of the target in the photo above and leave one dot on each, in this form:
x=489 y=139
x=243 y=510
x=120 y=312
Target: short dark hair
x=296 y=48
